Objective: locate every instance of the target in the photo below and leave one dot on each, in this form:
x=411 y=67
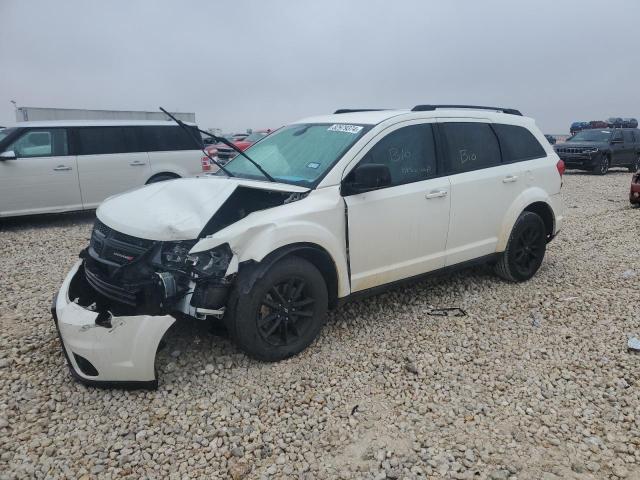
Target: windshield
x=591 y=136
x=300 y=154
x=254 y=137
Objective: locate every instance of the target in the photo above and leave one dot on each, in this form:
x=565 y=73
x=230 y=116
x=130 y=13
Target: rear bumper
x=121 y=354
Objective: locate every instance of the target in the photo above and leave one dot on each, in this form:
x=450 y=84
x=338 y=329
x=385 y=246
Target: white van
x=59 y=166
x=328 y=208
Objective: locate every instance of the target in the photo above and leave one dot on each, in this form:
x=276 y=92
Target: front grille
x=115 y=247
x=226 y=153
x=574 y=150
x=109 y=290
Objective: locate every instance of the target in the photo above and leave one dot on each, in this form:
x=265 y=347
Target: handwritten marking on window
x=467 y=156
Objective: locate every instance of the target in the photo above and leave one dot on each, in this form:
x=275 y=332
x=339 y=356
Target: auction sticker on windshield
x=339 y=127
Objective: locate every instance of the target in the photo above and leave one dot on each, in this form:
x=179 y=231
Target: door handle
x=62 y=168
x=436 y=194
x=137 y=163
x=510 y=179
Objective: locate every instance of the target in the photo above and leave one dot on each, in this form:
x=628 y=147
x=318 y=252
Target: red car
x=224 y=153
x=634 y=194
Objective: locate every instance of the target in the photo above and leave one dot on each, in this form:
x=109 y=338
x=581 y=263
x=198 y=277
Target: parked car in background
x=599 y=149
x=345 y=204
x=634 y=194
x=578 y=126
x=62 y=166
x=551 y=139
x=598 y=124
x=224 y=153
x=630 y=123
x=615 y=122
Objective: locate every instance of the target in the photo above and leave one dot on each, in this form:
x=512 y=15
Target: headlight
x=212 y=262
x=590 y=150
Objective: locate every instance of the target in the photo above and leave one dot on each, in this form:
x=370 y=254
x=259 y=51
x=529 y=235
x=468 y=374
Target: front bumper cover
x=120 y=355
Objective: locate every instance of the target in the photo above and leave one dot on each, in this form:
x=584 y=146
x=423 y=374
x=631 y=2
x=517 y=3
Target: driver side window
x=41 y=143
x=409 y=152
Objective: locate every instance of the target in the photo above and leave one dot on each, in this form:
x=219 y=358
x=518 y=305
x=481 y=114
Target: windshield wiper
x=186 y=128
x=227 y=143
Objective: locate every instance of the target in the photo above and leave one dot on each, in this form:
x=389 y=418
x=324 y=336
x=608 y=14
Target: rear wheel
x=162 y=177
x=525 y=249
x=282 y=314
x=636 y=165
x=603 y=166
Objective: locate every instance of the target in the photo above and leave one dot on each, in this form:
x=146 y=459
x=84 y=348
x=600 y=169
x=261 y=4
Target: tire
x=525 y=250
x=163 y=177
x=636 y=166
x=263 y=323
x=603 y=166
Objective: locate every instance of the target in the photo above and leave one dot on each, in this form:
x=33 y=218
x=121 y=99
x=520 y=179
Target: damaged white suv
x=342 y=204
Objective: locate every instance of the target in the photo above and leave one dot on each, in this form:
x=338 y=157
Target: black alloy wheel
x=636 y=165
x=286 y=310
x=603 y=166
x=525 y=250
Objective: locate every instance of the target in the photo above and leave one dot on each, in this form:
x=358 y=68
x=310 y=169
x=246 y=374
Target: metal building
x=28 y=114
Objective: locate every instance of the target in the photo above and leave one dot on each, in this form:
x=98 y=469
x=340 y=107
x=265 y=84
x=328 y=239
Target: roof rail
x=353 y=110
x=427 y=108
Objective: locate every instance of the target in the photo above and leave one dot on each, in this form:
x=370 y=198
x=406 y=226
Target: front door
x=399 y=231
x=42 y=178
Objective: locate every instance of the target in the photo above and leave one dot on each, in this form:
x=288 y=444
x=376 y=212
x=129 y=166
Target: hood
x=180 y=209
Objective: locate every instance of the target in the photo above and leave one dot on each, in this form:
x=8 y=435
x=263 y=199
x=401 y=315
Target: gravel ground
x=535 y=383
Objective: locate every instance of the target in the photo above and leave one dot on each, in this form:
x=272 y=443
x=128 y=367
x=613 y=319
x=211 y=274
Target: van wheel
x=162 y=177
x=603 y=166
x=282 y=314
x=636 y=166
x=525 y=249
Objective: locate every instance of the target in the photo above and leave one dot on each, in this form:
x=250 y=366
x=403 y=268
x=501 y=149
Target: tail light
x=561 y=168
x=206 y=164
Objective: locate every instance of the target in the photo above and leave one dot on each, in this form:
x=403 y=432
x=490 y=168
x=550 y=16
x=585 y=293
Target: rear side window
x=169 y=138
x=108 y=140
x=409 y=152
x=41 y=142
x=628 y=136
x=518 y=143
x=469 y=146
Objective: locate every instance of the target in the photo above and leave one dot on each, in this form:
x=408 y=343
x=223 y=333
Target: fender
x=526 y=198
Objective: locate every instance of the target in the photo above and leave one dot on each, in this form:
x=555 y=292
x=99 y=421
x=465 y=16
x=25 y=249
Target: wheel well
x=162 y=174
x=546 y=213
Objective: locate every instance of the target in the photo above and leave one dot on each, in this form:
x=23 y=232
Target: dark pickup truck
x=599 y=149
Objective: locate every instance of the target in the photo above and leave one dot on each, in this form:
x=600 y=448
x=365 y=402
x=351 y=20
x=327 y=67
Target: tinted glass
x=41 y=142
x=617 y=135
x=628 y=137
x=105 y=140
x=409 y=152
x=169 y=138
x=517 y=143
x=470 y=146
x=591 y=136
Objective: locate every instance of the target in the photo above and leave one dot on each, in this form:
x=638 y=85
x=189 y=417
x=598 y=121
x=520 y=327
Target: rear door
x=618 y=153
x=482 y=188
x=110 y=160
x=628 y=148
x=43 y=177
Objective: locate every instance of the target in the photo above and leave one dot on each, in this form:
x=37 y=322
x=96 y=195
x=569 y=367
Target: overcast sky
x=258 y=64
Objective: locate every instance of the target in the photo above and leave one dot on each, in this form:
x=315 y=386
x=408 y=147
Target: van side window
x=409 y=152
x=518 y=143
x=41 y=142
x=106 y=140
x=169 y=138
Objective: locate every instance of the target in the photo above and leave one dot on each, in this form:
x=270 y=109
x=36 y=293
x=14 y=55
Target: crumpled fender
x=123 y=354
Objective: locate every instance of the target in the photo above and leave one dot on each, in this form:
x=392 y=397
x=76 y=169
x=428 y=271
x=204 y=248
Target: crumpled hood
x=175 y=209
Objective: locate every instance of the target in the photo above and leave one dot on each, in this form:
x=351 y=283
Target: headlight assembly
x=212 y=262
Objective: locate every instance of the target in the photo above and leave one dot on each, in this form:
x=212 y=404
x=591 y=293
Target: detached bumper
x=120 y=355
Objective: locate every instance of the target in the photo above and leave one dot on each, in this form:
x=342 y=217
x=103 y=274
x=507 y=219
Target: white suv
x=358 y=201
x=62 y=166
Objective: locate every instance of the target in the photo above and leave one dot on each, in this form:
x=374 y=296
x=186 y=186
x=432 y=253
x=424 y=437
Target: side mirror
x=367 y=177
x=8 y=155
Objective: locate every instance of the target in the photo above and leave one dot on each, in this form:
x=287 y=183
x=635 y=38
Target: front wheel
x=282 y=314
x=603 y=166
x=525 y=250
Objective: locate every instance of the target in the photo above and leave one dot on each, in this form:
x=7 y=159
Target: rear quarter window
x=170 y=138
x=108 y=140
x=518 y=143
